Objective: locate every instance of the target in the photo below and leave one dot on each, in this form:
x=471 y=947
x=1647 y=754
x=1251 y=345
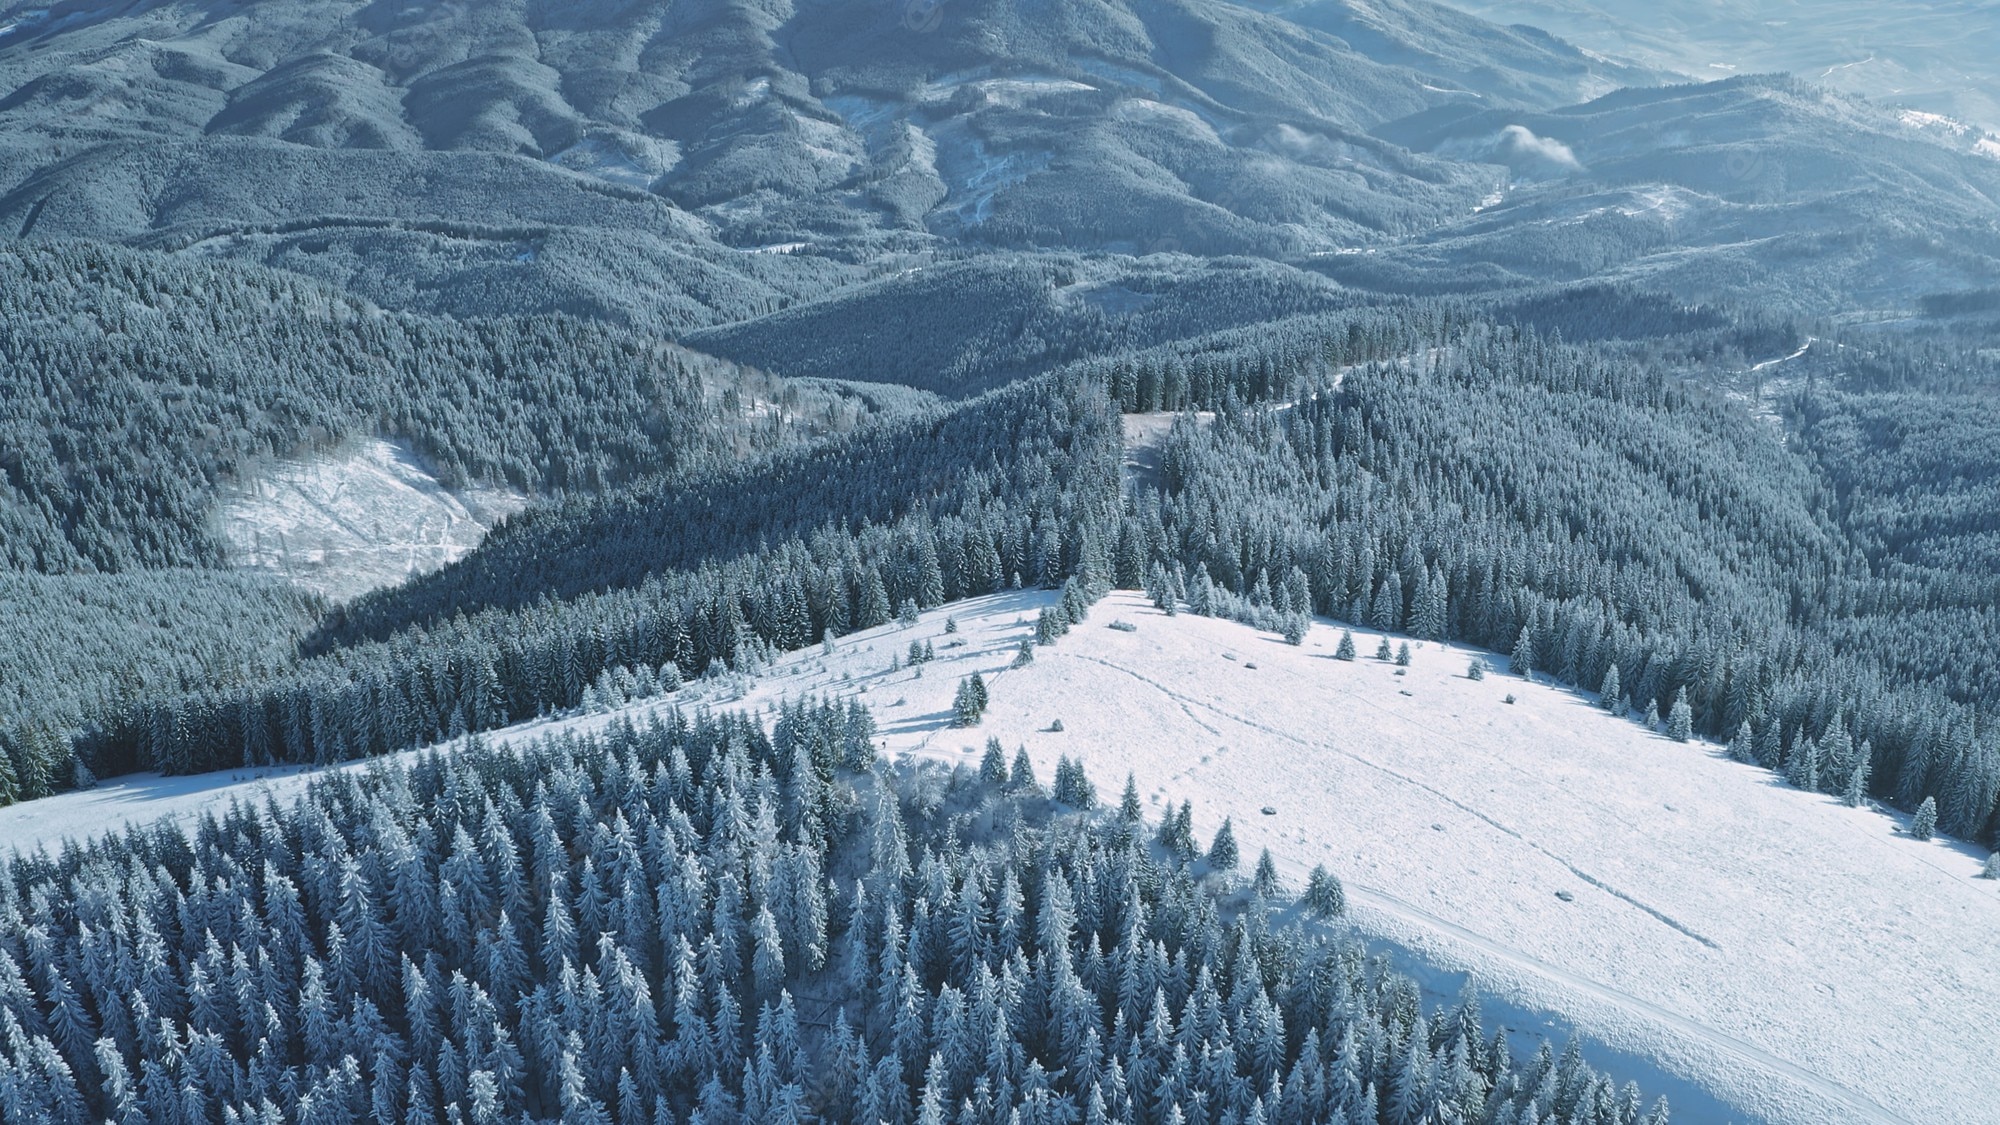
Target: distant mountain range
x=691 y=165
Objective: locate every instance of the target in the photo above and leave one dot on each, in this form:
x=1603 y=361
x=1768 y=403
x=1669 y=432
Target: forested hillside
x=132 y=386
x=477 y=649
x=706 y=920
x=765 y=322
x=1624 y=531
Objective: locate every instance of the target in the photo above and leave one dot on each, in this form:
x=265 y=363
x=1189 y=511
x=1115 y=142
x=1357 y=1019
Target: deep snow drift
x=1750 y=951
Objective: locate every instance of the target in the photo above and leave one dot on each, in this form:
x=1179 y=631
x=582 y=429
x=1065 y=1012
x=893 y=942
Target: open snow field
x=1748 y=950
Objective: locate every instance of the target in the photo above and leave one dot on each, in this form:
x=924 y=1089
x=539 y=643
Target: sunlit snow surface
x=347 y=524
x=1751 y=951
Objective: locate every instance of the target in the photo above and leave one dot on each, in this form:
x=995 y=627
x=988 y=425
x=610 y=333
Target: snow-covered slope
x=345 y=525
x=1751 y=951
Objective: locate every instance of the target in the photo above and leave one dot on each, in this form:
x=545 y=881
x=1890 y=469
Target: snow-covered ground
x=344 y=525
x=1751 y=951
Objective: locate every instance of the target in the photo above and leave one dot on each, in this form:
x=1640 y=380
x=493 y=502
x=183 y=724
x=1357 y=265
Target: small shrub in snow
x=950 y=625
x=1925 y=824
x=1476 y=670
x=1509 y=700
x=1056 y=727
x=1124 y=627
x=1992 y=870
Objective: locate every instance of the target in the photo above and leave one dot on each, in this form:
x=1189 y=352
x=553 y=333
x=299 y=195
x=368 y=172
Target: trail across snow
x=1753 y=952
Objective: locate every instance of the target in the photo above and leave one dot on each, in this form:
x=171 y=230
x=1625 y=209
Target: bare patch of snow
x=980 y=175
x=628 y=159
x=345 y=525
x=1185 y=119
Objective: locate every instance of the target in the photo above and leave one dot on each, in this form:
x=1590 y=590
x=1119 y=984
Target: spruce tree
x=1222 y=854
x=1680 y=721
x=1924 y=825
x=1857 y=785
x=1652 y=719
x=965 y=709
x=1742 y=748
x=1346 y=649
x=1266 y=879
x=1296 y=625
x=1022 y=780
x=1992 y=868
x=1524 y=652
x=993 y=766
x=1476 y=670
x=1325 y=897
x=1384 y=651
x=1609 y=692
x=1403 y=655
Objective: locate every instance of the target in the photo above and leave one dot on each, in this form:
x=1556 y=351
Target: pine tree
x=1680 y=721
x=1222 y=854
x=1266 y=879
x=1023 y=780
x=1524 y=652
x=1346 y=649
x=1652 y=719
x=1325 y=897
x=1610 y=692
x=1403 y=655
x=1742 y=747
x=1992 y=868
x=993 y=767
x=1857 y=784
x=1384 y=651
x=1024 y=656
x=1924 y=825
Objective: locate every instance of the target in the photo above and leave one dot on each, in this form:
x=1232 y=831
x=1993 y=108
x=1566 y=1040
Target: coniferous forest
x=705 y=920
x=776 y=322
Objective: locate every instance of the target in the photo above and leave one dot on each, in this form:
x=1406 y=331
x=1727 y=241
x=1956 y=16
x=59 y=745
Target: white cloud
x=1518 y=142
